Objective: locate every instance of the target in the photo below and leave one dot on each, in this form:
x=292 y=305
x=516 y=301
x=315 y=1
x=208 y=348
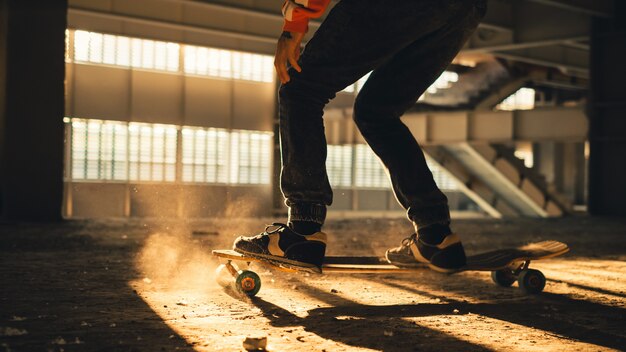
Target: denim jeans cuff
x=307 y=212
x=428 y=216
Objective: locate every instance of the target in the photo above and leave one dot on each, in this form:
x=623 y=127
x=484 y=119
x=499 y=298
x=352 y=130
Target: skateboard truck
x=243 y=281
x=529 y=280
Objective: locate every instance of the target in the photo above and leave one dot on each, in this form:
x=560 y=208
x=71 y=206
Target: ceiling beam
x=172 y=25
x=524 y=45
x=577 y=45
x=599 y=8
x=573 y=70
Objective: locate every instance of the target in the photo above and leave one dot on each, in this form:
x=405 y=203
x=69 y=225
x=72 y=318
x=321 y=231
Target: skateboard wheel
x=504 y=278
x=531 y=281
x=248 y=282
x=222 y=276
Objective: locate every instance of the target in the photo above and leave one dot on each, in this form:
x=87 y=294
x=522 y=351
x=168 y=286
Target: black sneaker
x=280 y=245
x=447 y=256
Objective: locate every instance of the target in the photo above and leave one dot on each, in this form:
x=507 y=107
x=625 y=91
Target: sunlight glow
x=445 y=81
x=228 y=64
x=523 y=99
x=124 y=51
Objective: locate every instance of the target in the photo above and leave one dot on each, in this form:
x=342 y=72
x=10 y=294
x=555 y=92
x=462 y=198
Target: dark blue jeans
x=407 y=44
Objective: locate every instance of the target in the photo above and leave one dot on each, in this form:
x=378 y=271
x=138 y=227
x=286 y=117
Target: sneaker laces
x=406 y=242
x=275 y=227
x=270 y=229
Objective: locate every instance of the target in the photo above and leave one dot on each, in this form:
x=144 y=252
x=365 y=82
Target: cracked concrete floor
x=147 y=285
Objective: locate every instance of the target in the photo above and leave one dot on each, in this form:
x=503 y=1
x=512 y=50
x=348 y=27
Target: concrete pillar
x=607 y=115
x=573 y=172
x=543 y=160
x=580 y=196
x=558 y=156
x=32 y=69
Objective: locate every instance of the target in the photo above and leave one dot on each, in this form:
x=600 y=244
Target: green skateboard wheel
x=248 y=282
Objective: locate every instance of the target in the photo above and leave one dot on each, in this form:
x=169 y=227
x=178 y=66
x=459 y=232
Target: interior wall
x=97 y=200
x=122 y=94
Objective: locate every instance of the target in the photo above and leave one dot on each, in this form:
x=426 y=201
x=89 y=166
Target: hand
x=287 y=50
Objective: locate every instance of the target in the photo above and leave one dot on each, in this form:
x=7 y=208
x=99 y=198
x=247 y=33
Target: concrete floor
x=148 y=285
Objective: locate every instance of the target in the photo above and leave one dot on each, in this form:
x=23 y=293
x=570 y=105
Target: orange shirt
x=298 y=12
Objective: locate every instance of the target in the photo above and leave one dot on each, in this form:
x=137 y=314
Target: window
x=444 y=81
x=524 y=152
x=110 y=150
x=122 y=151
x=220 y=156
x=339 y=165
x=228 y=64
x=127 y=52
x=250 y=158
x=369 y=171
x=523 y=99
x=152 y=152
x=356 y=86
x=123 y=51
x=99 y=150
x=205 y=155
x=444 y=181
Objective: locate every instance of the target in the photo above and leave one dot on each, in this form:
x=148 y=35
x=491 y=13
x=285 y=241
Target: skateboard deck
x=507 y=265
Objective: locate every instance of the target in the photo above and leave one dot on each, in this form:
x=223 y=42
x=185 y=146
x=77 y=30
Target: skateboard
x=506 y=265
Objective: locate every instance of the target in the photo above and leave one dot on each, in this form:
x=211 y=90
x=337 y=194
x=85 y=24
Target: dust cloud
x=176 y=261
x=180 y=258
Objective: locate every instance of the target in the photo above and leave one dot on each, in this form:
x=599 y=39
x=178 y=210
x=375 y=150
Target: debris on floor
x=255 y=343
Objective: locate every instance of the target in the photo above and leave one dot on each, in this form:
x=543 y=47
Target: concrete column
x=573 y=171
x=558 y=160
x=581 y=175
x=607 y=115
x=32 y=69
x=543 y=160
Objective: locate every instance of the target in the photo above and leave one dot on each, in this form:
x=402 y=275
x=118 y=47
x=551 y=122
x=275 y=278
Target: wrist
x=286 y=35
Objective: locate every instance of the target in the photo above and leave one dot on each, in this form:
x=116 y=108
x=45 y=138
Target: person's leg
x=390 y=90
x=304 y=181
x=356 y=37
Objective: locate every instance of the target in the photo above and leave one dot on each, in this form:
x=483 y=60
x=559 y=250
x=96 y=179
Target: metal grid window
x=250 y=157
x=152 y=152
x=121 y=151
x=228 y=64
x=369 y=171
x=339 y=165
x=205 y=155
x=444 y=181
x=99 y=150
x=214 y=155
x=126 y=52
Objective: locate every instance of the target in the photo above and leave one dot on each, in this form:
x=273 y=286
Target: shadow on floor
x=60 y=289
x=345 y=321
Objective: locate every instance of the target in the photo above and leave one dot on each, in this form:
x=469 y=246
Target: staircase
x=498 y=181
